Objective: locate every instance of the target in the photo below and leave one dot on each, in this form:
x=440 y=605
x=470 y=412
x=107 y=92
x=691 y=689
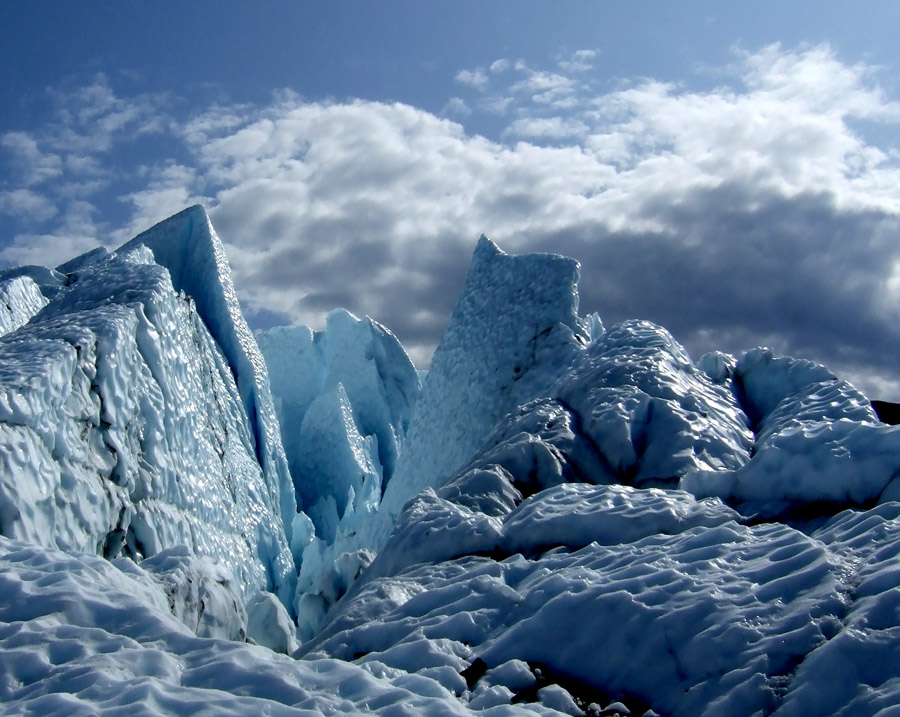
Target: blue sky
x=729 y=171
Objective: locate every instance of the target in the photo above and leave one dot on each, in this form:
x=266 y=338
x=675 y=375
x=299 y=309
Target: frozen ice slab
x=513 y=330
x=122 y=431
x=188 y=246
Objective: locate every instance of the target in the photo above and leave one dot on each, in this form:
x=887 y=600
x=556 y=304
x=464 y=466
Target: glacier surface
x=561 y=518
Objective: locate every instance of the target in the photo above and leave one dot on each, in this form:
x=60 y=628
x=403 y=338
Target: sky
x=730 y=171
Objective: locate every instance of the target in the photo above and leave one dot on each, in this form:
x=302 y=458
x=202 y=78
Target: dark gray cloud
x=735 y=269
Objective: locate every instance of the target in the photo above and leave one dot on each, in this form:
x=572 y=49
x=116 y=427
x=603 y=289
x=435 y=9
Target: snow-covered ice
x=565 y=518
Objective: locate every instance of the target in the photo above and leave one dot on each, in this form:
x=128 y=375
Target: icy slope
x=122 y=430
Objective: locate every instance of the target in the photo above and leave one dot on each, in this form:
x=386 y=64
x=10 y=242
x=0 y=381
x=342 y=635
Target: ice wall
x=344 y=397
x=188 y=246
x=379 y=383
x=122 y=429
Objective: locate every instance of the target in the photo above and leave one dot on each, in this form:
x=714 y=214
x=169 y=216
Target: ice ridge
x=122 y=430
x=188 y=246
x=515 y=323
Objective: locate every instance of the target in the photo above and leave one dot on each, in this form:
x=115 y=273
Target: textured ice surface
x=359 y=360
x=646 y=596
x=187 y=245
x=818 y=442
x=122 y=430
x=515 y=326
x=650 y=412
x=82 y=636
x=20 y=299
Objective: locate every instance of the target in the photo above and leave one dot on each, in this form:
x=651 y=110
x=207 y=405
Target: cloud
x=473 y=78
x=70 y=158
x=756 y=212
x=545 y=88
x=34 y=165
x=93 y=118
x=26 y=203
x=76 y=234
x=547 y=128
x=456 y=107
x=500 y=66
x=579 y=61
x=167 y=187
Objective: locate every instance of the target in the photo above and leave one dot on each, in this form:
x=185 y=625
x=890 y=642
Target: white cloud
x=169 y=189
x=547 y=128
x=500 y=66
x=750 y=212
x=35 y=165
x=496 y=105
x=473 y=78
x=456 y=107
x=579 y=61
x=545 y=87
x=94 y=118
x=27 y=204
x=76 y=234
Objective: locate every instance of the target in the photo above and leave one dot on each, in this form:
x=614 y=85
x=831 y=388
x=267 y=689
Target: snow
x=570 y=519
x=80 y=635
x=710 y=617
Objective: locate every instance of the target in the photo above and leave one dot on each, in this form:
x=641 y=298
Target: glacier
x=123 y=427
x=558 y=517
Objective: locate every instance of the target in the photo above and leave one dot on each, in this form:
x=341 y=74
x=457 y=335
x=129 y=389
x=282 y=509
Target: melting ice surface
x=562 y=519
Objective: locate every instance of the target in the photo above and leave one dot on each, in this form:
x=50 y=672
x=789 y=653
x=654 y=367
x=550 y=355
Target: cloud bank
x=762 y=211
